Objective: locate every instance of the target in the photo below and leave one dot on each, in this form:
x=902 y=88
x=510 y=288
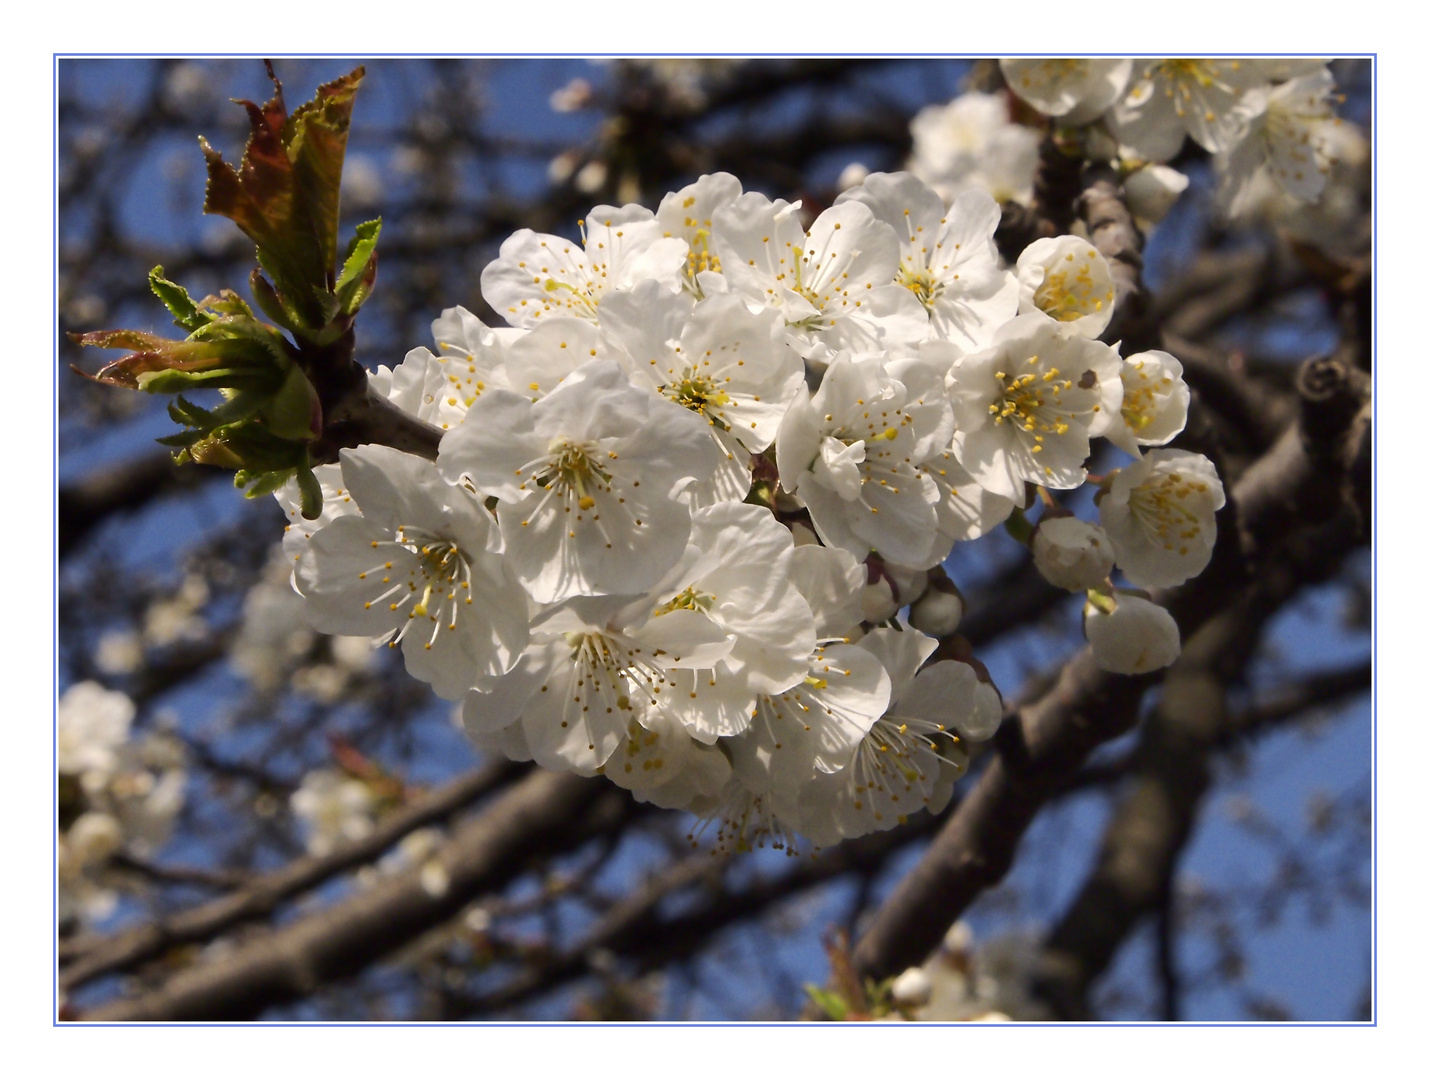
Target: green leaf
x=176 y=299
x=833 y=1004
x=359 y=267
x=284 y=193
x=174 y=381
x=183 y=439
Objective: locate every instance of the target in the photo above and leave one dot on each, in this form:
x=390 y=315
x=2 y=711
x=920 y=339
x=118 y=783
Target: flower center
x=689 y=599
x=1069 y=292
x=1139 y=397
x=920 y=281
x=1047 y=73
x=700 y=394
x=701 y=258
x=572 y=468
x=1160 y=505
x=898 y=753
x=1032 y=403
x=438 y=585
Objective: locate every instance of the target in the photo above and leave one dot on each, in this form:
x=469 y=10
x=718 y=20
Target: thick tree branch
x=1043 y=742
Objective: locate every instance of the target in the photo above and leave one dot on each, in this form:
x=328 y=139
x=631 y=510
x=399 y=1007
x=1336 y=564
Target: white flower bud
x=1152 y=190
x=1137 y=637
x=877 y=601
x=912 y=989
x=94 y=837
x=854 y=174
x=572 y=97
x=937 y=613
x=1072 y=554
x=591 y=177
x=959 y=938
x=908 y=581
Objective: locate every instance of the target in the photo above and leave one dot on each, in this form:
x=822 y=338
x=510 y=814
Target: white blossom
x=736 y=576
x=911 y=755
x=947 y=258
x=834 y=284
x=1151 y=192
x=420 y=567
x=688 y=215
x=1170 y=99
x=1028 y=405
x=588 y=480
x=939 y=611
x=1077 y=91
x=1067 y=279
x=728 y=365
x=1288 y=134
x=583 y=678
x=1160 y=514
x=912 y=989
x=1155 y=399
x=539 y=275
x=91 y=723
x=660 y=763
x=334 y=809
x=971 y=144
x=849 y=452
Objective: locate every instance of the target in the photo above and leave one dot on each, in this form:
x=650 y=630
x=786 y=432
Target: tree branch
x=343 y=939
x=1043 y=742
x=128 y=949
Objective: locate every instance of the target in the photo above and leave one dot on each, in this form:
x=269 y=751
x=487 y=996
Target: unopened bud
x=940 y=609
x=1072 y=554
x=877 y=601
x=1136 y=637
x=912 y=989
x=1152 y=190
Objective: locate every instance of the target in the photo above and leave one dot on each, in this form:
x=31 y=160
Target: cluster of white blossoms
x=118 y=794
x=683 y=494
x=1268 y=124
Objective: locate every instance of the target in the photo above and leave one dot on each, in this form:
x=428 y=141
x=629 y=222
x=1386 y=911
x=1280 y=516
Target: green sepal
x=1019 y=527
x=255 y=484
x=250 y=447
x=311 y=492
x=176 y=298
x=183 y=439
x=359 y=271
x=174 y=381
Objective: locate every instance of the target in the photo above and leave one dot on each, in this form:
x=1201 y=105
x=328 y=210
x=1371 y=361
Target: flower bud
x=912 y=989
x=877 y=601
x=94 y=837
x=1072 y=554
x=1134 y=638
x=1152 y=190
x=939 y=611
